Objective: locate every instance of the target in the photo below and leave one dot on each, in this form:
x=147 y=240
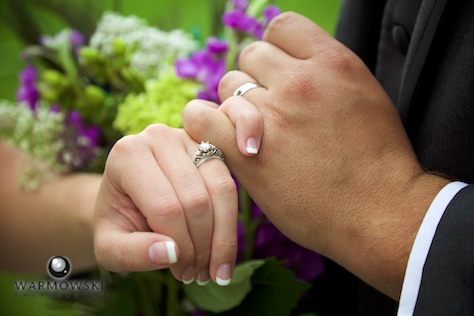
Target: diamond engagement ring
x=243 y=89
x=206 y=151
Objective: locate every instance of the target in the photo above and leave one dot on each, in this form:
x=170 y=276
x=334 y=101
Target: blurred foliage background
x=24 y=21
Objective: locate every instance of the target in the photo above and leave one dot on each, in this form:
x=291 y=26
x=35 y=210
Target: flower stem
x=250 y=226
x=172 y=297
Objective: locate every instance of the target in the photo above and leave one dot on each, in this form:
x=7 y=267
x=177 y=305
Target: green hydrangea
x=162 y=102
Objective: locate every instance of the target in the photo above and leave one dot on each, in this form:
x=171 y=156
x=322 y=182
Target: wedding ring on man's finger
x=206 y=151
x=243 y=89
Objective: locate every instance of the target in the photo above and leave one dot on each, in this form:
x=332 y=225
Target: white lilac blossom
x=37 y=133
x=57 y=41
x=151 y=51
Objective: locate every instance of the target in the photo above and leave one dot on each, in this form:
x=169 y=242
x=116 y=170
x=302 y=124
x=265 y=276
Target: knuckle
x=250 y=50
x=195 y=116
x=250 y=115
x=196 y=202
x=227 y=82
x=279 y=21
x=125 y=145
x=168 y=210
x=339 y=58
x=225 y=245
x=300 y=81
x=202 y=258
x=186 y=255
x=223 y=185
x=154 y=130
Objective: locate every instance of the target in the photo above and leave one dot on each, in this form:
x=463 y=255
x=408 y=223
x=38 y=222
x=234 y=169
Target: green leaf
x=275 y=291
x=122 y=301
x=215 y=298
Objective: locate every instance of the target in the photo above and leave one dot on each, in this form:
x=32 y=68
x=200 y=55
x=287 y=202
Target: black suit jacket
x=422 y=52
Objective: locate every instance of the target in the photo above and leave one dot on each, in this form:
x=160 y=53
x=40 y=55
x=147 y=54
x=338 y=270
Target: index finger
x=297 y=35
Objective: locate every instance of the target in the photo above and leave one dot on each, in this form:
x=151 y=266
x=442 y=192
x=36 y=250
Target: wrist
x=382 y=241
x=82 y=192
x=78 y=206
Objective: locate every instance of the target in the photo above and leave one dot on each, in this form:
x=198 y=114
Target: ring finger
x=223 y=193
x=233 y=82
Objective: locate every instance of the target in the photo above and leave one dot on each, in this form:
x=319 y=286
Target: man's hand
x=336 y=171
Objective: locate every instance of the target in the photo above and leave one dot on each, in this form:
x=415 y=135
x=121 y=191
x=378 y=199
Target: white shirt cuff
x=421 y=247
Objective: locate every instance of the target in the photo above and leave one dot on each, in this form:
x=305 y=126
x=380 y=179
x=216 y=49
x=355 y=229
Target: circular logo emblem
x=59 y=267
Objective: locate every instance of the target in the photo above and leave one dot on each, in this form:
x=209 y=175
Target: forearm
x=54 y=220
x=380 y=249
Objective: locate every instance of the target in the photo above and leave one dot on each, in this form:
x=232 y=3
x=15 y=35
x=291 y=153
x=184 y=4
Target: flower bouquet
x=78 y=96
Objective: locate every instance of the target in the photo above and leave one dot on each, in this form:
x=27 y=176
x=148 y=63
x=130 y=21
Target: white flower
x=57 y=41
x=151 y=50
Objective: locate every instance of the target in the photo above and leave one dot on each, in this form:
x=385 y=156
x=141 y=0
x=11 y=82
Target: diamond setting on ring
x=206 y=151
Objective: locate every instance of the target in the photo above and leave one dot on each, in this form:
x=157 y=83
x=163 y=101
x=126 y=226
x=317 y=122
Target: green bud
x=49 y=95
x=132 y=78
x=89 y=55
x=94 y=95
x=53 y=78
x=119 y=47
x=128 y=74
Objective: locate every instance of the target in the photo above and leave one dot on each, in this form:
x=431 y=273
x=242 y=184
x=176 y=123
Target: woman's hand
x=157 y=210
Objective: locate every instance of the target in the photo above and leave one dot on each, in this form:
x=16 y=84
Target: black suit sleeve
x=447 y=286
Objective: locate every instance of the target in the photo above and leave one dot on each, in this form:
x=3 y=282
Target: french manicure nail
x=162 y=253
x=188 y=276
x=251 y=145
x=203 y=277
x=223 y=274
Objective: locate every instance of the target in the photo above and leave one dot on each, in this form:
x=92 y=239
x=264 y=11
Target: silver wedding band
x=206 y=151
x=243 y=89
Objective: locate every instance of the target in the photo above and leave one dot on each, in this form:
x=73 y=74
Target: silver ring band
x=243 y=89
x=206 y=151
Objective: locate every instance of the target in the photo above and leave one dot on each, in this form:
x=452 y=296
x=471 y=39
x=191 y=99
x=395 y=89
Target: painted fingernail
x=162 y=252
x=188 y=276
x=251 y=146
x=203 y=277
x=223 y=274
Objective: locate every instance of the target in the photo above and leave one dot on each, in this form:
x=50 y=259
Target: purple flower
x=241 y=242
x=270 y=242
x=81 y=142
x=237 y=19
x=28 y=92
x=206 y=66
x=55 y=108
x=87 y=136
x=240 y=4
x=77 y=40
x=257 y=30
x=271 y=12
x=216 y=46
x=198 y=312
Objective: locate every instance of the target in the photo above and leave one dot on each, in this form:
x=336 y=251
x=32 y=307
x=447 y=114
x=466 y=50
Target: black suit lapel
x=425 y=29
